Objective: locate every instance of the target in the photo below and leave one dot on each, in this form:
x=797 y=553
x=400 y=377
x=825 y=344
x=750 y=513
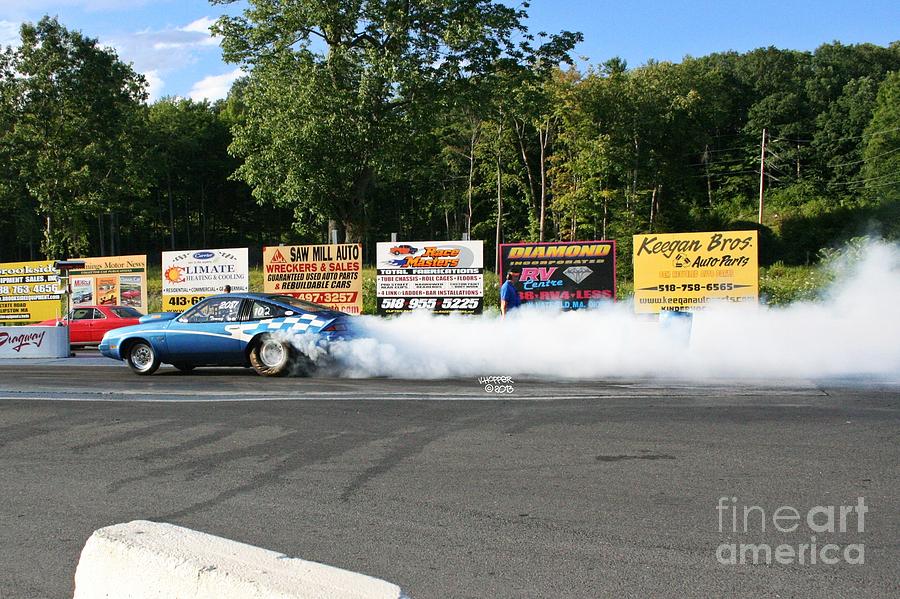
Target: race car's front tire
x=142 y=358
x=271 y=356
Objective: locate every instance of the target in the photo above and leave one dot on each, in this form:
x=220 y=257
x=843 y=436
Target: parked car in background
x=88 y=324
x=234 y=329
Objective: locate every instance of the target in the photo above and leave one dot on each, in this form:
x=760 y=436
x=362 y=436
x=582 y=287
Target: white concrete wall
x=141 y=559
x=34 y=342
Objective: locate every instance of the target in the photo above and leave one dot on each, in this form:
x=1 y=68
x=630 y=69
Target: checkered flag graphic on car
x=289 y=324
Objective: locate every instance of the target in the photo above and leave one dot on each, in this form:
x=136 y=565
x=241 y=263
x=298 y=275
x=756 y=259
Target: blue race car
x=235 y=329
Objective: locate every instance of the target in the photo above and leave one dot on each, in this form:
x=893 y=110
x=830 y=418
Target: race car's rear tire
x=142 y=358
x=270 y=356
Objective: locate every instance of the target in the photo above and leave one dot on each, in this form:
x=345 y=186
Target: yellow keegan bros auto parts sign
x=688 y=271
x=330 y=275
x=29 y=291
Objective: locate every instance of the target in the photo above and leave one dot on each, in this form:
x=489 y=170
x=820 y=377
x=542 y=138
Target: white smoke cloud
x=853 y=331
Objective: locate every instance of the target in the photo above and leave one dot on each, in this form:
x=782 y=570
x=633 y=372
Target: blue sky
x=168 y=40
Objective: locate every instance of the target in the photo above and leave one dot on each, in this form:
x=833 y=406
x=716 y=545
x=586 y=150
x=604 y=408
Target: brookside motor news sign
x=330 y=275
x=686 y=271
x=111 y=280
x=192 y=275
x=575 y=275
x=29 y=291
x=442 y=277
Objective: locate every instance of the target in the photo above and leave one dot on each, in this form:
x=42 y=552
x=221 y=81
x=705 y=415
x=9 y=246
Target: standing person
x=227 y=288
x=509 y=295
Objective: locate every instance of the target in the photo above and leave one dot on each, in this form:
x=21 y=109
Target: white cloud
x=155 y=85
x=194 y=34
x=201 y=25
x=9 y=33
x=214 y=87
x=161 y=54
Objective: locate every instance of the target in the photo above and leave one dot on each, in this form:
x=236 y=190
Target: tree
x=337 y=89
x=75 y=133
x=881 y=170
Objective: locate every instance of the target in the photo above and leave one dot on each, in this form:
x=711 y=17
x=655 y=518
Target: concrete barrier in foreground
x=141 y=559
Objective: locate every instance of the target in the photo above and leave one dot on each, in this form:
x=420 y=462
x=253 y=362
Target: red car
x=399 y=250
x=88 y=324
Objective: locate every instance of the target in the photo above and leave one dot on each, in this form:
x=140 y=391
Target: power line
x=864 y=181
x=873 y=134
x=881 y=185
x=897 y=149
x=798 y=140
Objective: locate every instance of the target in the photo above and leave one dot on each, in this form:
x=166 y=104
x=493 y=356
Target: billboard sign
x=119 y=280
x=29 y=292
x=191 y=275
x=442 y=277
x=573 y=275
x=330 y=275
x=687 y=271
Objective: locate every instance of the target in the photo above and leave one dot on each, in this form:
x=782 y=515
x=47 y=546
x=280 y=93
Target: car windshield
x=299 y=303
x=125 y=312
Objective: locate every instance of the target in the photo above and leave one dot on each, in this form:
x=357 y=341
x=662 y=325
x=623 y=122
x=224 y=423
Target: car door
x=80 y=324
x=104 y=321
x=199 y=335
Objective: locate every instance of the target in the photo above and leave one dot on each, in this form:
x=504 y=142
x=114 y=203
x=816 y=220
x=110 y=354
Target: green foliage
x=881 y=153
x=441 y=119
x=326 y=122
x=780 y=284
x=72 y=135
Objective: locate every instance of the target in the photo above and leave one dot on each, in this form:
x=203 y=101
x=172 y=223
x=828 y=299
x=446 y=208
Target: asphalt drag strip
x=572 y=489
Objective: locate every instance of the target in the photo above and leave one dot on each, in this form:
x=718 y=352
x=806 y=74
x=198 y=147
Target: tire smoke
x=853 y=330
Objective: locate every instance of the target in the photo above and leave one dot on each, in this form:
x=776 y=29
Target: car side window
x=215 y=310
x=98 y=314
x=261 y=310
x=82 y=314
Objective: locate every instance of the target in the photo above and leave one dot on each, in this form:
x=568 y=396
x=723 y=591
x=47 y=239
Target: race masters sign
x=573 y=275
x=330 y=275
x=29 y=291
x=686 y=271
x=442 y=277
x=192 y=275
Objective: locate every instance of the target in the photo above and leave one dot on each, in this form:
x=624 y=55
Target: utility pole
x=762 y=169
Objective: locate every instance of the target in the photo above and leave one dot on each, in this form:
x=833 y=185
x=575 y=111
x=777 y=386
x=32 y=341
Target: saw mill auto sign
x=329 y=275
